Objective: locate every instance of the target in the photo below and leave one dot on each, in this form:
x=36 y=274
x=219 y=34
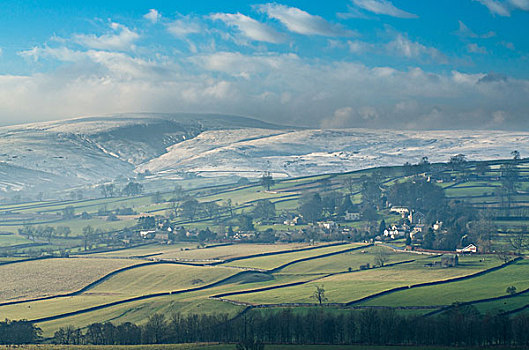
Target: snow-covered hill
x=307 y=152
x=86 y=151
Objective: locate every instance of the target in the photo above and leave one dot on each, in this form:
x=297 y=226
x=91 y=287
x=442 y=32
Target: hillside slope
x=86 y=151
x=90 y=150
x=308 y=152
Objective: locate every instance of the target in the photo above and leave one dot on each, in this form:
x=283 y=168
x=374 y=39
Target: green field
x=342 y=262
x=40 y=278
x=490 y=285
x=348 y=287
x=340 y=285
x=271 y=262
x=161 y=278
x=287 y=275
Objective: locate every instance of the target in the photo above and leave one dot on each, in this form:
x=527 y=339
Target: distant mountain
x=86 y=151
x=292 y=153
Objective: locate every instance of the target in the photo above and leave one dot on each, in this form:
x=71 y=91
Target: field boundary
x=98 y=281
x=434 y=283
x=138 y=298
x=321 y=276
x=281 y=267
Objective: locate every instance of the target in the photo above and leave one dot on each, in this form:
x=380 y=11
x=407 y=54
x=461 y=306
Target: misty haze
x=349 y=174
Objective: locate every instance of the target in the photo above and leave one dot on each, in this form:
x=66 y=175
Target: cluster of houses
x=416 y=225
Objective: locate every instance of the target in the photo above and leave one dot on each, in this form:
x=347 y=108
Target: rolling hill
x=86 y=151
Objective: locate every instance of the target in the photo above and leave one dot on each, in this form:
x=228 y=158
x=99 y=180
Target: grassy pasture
x=271 y=262
x=347 y=287
x=196 y=302
x=45 y=308
x=112 y=290
x=160 y=278
x=151 y=249
x=230 y=251
x=38 y=278
x=487 y=286
x=341 y=262
x=504 y=305
x=138 y=312
x=9 y=240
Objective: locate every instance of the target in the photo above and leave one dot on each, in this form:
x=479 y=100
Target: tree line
x=460 y=326
x=18 y=332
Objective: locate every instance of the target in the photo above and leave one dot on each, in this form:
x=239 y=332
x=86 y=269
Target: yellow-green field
x=194 y=286
x=273 y=261
x=39 y=278
x=230 y=251
x=161 y=278
x=348 y=287
x=491 y=285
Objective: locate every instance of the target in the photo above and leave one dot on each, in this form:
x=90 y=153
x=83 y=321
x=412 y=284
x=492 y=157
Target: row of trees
x=18 y=332
x=44 y=232
x=130 y=189
x=315 y=207
x=460 y=326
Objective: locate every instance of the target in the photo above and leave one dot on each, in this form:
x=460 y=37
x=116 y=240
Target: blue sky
x=337 y=63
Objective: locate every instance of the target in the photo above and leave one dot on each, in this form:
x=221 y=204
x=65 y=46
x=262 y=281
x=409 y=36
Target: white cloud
x=357 y=46
x=121 y=38
x=383 y=7
x=520 y=4
x=302 y=22
x=281 y=88
x=239 y=65
x=402 y=46
x=184 y=26
x=496 y=7
x=153 y=16
x=475 y=48
x=465 y=31
x=249 y=27
x=504 y=8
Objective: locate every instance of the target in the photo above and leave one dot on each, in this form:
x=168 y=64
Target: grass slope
x=31 y=279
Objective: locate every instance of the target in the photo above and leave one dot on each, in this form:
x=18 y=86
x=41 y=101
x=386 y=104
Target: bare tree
x=520 y=241
x=319 y=294
x=381 y=257
x=349 y=184
x=267 y=180
x=504 y=256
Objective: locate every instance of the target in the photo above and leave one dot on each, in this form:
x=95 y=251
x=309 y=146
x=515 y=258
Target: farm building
x=351 y=216
x=396 y=232
x=449 y=260
x=416 y=217
x=471 y=248
x=400 y=210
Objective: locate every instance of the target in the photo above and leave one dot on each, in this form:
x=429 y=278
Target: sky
x=401 y=64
